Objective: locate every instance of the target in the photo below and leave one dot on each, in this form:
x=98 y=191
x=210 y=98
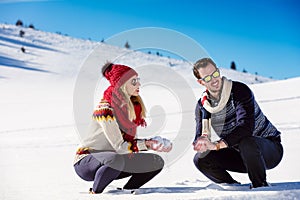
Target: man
x=248 y=143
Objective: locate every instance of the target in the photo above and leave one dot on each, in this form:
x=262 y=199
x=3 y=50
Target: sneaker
x=128 y=191
x=91 y=191
x=264 y=184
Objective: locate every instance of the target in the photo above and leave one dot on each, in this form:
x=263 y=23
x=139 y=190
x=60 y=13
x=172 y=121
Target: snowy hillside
x=67 y=54
x=39 y=134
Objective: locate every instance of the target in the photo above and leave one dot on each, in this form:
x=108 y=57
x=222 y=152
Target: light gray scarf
x=224 y=97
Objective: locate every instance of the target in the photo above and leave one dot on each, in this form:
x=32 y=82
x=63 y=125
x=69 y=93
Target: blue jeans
x=254 y=156
x=104 y=167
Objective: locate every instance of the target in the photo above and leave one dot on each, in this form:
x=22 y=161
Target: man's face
x=215 y=84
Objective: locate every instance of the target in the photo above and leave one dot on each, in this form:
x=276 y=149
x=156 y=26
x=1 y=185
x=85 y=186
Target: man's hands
x=203 y=144
x=159 y=144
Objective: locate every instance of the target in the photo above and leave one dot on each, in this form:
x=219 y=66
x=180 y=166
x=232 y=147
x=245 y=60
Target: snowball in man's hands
x=159 y=141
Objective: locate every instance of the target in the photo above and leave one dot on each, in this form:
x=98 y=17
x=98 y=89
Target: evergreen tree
x=127 y=46
x=19 y=23
x=232 y=66
x=31 y=26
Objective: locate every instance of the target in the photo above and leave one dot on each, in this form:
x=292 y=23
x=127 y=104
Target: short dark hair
x=202 y=63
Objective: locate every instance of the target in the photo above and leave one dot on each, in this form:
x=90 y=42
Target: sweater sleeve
x=245 y=118
x=104 y=116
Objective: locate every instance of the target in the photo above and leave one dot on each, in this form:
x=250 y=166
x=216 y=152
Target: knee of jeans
x=82 y=173
x=199 y=156
x=159 y=162
x=197 y=159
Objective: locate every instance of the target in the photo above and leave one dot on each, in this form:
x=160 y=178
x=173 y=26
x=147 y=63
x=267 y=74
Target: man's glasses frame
x=208 y=78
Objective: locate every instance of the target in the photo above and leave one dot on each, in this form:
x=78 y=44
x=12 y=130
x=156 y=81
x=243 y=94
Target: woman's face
x=132 y=86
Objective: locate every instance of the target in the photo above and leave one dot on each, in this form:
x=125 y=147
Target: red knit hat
x=117 y=74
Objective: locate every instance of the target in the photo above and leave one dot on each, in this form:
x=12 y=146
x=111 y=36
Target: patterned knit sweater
x=104 y=134
x=240 y=118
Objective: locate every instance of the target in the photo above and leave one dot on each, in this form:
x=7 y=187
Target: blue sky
x=259 y=36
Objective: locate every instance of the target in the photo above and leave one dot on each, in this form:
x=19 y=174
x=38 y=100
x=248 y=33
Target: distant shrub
x=127 y=46
x=23 y=49
x=158 y=54
x=21 y=33
x=19 y=23
x=31 y=26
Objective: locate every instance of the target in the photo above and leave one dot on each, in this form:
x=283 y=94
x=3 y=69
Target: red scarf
x=117 y=102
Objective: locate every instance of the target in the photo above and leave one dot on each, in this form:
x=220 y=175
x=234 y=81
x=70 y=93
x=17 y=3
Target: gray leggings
x=104 y=167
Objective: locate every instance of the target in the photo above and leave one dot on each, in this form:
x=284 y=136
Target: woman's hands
x=159 y=144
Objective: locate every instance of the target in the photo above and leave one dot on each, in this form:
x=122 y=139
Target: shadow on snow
x=283 y=186
x=26 y=44
x=13 y=63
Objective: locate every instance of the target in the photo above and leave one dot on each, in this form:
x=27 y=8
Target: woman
x=110 y=149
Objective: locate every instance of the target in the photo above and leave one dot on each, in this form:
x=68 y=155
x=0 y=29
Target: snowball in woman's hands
x=167 y=143
x=158 y=138
x=159 y=142
x=163 y=142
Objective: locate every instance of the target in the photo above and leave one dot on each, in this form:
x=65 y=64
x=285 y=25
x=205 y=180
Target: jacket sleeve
x=104 y=116
x=198 y=119
x=243 y=99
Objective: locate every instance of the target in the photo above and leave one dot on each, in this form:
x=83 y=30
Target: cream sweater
x=104 y=135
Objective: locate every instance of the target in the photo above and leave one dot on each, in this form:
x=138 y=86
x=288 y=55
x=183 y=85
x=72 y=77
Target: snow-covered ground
x=39 y=136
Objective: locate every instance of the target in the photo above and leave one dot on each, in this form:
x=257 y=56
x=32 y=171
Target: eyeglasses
x=135 y=81
x=208 y=78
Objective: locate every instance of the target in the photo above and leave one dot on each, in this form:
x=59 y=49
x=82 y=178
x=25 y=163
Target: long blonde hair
x=129 y=99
